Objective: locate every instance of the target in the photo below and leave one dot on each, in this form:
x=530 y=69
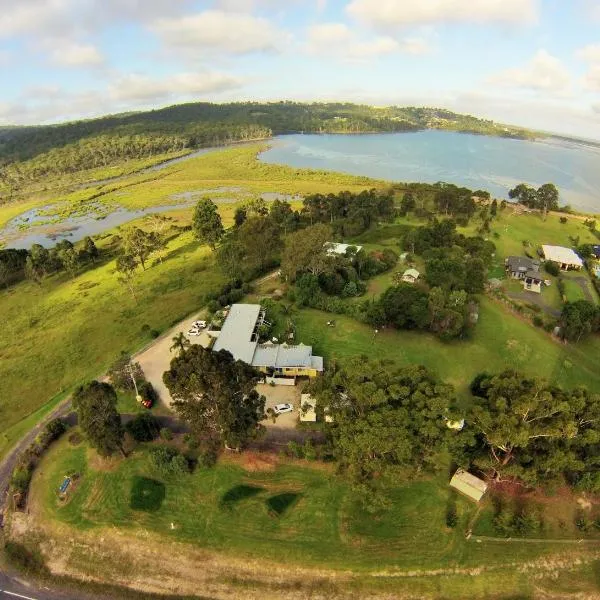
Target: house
x=526 y=270
x=517 y=266
x=565 y=258
x=239 y=335
x=468 y=485
x=334 y=249
x=410 y=276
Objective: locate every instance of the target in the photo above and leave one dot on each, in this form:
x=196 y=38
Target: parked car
x=199 y=325
x=279 y=409
x=194 y=331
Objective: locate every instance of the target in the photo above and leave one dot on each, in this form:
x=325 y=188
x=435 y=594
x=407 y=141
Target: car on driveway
x=279 y=409
x=199 y=325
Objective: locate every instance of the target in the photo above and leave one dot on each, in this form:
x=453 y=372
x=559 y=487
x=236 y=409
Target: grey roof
x=281 y=356
x=534 y=275
x=236 y=333
x=522 y=264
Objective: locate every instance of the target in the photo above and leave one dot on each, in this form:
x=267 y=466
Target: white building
x=334 y=249
x=565 y=258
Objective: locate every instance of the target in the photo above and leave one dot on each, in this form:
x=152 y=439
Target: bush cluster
x=21 y=476
x=169 y=461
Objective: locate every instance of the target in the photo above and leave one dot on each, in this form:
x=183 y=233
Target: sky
x=534 y=63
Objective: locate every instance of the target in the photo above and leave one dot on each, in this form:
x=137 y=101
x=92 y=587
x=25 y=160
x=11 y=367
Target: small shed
x=468 y=485
x=410 y=275
x=307 y=409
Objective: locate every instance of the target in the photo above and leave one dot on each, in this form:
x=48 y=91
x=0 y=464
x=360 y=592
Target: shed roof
x=236 y=333
x=562 y=255
x=335 y=248
x=469 y=485
x=411 y=273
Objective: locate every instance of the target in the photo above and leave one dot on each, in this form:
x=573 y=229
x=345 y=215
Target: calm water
x=477 y=162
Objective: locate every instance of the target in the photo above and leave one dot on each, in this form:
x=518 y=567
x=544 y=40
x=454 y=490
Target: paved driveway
x=280 y=394
x=156 y=358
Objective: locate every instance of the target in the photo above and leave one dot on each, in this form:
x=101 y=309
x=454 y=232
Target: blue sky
x=528 y=62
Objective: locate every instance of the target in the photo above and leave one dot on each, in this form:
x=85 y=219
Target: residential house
x=239 y=335
x=526 y=270
x=410 y=276
x=565 y=258
x=468 y=485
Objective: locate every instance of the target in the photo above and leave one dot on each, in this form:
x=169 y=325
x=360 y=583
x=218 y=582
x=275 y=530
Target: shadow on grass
x=238 y=493
x=278 y=505
x=146 y=494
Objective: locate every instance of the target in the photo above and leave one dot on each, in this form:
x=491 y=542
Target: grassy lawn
x=499 y=341
x=295 y=513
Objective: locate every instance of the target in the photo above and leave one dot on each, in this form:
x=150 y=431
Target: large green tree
x=532 y=430
x=207 y=223
x=216 y=396
x=96 y=406
x=389 y=419
x=306 y=252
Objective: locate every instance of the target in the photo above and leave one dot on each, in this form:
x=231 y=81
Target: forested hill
x=30 y=153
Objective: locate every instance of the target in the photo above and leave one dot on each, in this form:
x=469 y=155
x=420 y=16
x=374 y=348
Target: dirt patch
x=98 y=463
x=255 y=462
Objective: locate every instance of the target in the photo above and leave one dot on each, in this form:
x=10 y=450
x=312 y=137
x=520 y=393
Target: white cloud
x=51 y=103
x=139 y=88
x=66 y=53
x=592 y=78
x=215 y=30
x=543 y=72
x=589 y=53
x=54 y=18
x=337 y=39
x=6 y=57
x=390 y=14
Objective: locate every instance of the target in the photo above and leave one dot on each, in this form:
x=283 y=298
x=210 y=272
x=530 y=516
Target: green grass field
x=500 y=341
x=303 y=513
x=296 y=514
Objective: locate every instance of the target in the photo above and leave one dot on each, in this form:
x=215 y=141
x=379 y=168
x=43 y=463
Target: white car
x=194 y=331
x=279 y=409
x=199 y=325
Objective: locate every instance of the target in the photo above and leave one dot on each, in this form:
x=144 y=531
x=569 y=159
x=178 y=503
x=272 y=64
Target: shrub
x=166 y=434
x=143 y=428
x=147 y=391
x=350 y=290
x=168 y=461
x=309 y=451
x=552 y=268
x=538 y=321
x=213 y=306
x=154 y=333
x=563 y=220
x=235 y=296
x=23 y=559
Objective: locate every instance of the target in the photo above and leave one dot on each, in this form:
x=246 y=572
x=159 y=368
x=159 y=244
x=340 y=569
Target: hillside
x=33 y=153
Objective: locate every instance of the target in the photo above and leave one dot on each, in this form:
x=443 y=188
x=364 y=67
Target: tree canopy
x=96 y=406
x=215 y=395
x=207 y=224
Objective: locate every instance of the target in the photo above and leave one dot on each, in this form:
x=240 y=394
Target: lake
x=475 y=161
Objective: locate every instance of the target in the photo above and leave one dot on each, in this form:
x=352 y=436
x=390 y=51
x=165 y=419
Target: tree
x=547 y=198
x=180 y=342
x=306 y=252
x=70 y=261
x=140 y=244
x=282 y=214
x=215 y=395
x=207 y=224
x=96 y=406
x=524 y=194
x=531 y=430
x=239 y=216
x=260 y=242
x=126 y=267
x=387 y=419
x=123 y=372
x=408 y=203
x=90 y=249
x=579 y=319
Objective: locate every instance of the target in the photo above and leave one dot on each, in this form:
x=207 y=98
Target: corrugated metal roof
x=236 y=333
x=468 y=484
x=562 y=255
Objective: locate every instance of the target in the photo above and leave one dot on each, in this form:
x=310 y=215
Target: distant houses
x=565 y=258
x=526 y=270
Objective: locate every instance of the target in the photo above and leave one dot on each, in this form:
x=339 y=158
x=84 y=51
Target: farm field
x=277 y=512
